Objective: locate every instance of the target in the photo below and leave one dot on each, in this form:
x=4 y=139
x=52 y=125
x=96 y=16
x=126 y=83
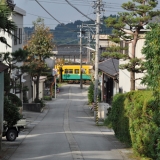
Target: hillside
x=68 y=33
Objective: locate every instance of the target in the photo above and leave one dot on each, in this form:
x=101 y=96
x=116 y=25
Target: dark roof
x=110 y=67
x=3 y=67
x=69 y=50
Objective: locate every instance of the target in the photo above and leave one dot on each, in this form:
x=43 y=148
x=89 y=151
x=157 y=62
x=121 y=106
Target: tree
x=6 y=24
x=151 y=51
x=11 y=59
x=127 y=27
x=40 y=47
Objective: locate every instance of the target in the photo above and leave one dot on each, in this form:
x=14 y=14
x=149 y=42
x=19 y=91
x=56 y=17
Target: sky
x=63 y=12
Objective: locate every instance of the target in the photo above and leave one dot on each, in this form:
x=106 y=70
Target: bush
x=135 y=119
x=91 y=93
x=11 y=112
x=47 y=98
x=40 y=101
x=144 y=120
x=15 y=100
x=118 y=120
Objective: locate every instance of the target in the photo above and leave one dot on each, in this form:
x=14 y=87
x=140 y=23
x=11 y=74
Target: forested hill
x=68 y=33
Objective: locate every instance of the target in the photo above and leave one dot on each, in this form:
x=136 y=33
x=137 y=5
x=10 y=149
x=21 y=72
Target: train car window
x=70 y=70
x=76 y=71
x=66 y=71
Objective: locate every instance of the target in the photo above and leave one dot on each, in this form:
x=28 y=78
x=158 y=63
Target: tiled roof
x=110 y=67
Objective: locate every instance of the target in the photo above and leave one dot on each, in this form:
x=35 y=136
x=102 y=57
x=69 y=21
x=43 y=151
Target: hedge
x=118 y=120
x=135 y=119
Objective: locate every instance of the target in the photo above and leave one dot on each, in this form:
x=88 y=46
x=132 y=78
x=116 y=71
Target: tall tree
x=151 y=51
x=127 y=27
x=6 y=25
x=40 y=47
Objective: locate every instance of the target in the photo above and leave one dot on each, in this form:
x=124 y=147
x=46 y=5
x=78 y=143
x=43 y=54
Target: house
x=71 y=53
x=15 y=42
x=109 y=82
x=124 y=75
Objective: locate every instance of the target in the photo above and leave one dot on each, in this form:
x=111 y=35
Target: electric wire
x=48 y=12
x=78 y=10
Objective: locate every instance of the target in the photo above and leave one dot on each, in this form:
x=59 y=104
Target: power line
x=48 y=12
x=78 y=10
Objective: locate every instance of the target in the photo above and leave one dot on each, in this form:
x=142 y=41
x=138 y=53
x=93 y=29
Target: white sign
x=54 y=72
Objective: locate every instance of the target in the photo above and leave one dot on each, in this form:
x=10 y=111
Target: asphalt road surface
x=67 y=131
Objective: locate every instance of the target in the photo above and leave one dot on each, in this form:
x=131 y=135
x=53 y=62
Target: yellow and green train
x=71 y=72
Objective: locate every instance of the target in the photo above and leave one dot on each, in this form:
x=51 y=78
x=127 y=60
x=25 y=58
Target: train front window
x=76 y=71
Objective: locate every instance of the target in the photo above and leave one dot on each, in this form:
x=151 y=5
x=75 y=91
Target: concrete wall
x=35 y=107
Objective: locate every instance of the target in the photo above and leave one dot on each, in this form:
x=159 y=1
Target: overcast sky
x=63 y=12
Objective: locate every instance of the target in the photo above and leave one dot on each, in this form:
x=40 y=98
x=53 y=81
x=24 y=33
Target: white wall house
x=15 y=43
x=124 y=75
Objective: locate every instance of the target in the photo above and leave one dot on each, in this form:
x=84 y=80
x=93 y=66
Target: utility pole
x=88 y=51
x=80 y=36
x=97 y=7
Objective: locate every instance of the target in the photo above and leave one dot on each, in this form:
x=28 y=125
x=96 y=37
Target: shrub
x=15 y=100
x=91 y=93
x=11 y=112
x=144 y=118
x=47 y=98
x=40 y=101
x=118 y=120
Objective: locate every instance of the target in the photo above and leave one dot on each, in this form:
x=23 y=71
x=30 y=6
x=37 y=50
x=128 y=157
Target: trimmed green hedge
x=118 y=120
x=135 y=119
x=143 y=123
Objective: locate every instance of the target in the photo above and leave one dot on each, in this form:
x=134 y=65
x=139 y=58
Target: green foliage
x=6 y=24
x=40 y=101
x=15 y=100
x=135 y=119
x=91 y=93
x=40 y=47
x=47 y=98
x=151 y=51
x=65 y=32
x=138 y=14
x=141 y=111
x=118 y=120
x=11 y=112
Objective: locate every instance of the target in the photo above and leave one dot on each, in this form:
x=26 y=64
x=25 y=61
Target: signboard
x=54 y=72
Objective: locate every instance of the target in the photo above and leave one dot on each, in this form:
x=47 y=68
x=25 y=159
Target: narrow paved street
x=66 y=131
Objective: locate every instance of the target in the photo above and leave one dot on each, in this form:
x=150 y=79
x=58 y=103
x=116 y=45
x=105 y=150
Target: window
x=68 y=71
x=76 y=71
x=20 y=35
x=15 y=37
